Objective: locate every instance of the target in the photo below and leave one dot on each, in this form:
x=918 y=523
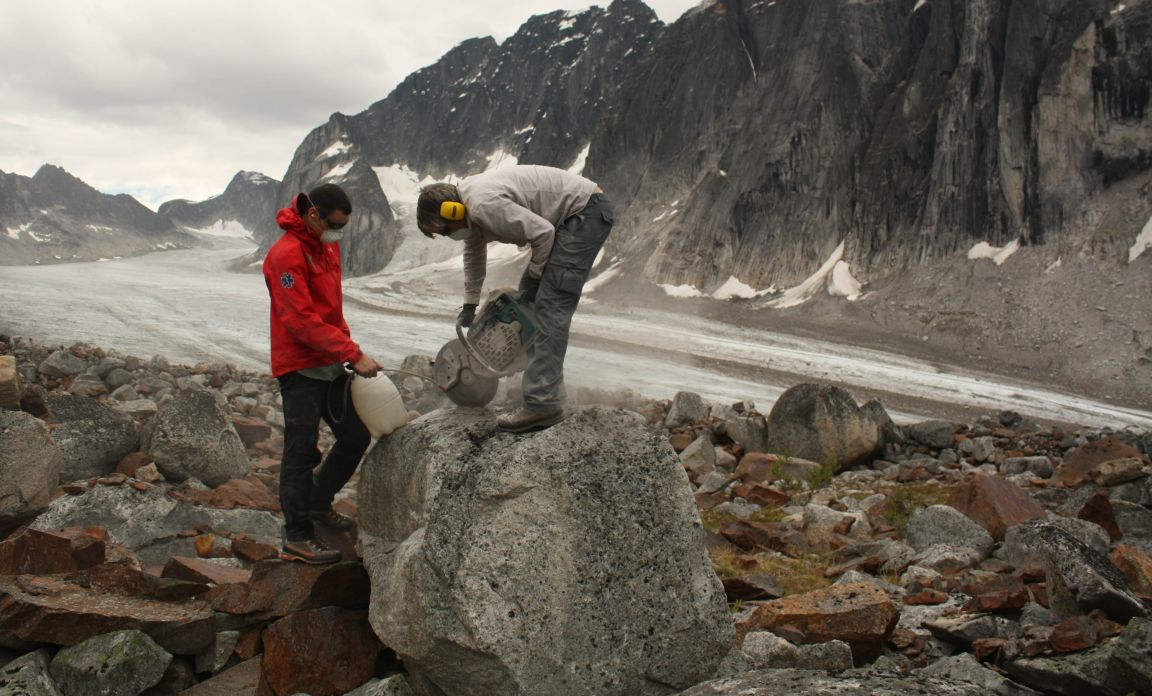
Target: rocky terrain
x=247 y=204
x=637 y=547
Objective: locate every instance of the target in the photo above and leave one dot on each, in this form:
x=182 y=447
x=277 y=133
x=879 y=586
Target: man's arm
x=475 y=267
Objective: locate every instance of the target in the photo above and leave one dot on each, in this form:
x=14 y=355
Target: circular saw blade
x=453 y=374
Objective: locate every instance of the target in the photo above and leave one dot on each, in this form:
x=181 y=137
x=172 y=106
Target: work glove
x=467 y=315
x=528 y=287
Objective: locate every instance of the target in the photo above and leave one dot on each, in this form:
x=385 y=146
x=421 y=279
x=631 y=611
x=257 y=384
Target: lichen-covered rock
x=801 y=682
x=568 y=561
x=28 y=676
x=822 y=423
x=192 y=436
x=1118 y=667
x=942 y=524
x=92 y=437
x=29 y=465
x=121 y=663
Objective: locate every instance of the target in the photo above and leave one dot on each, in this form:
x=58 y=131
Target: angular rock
x=800 y=682
x=201 y=570
x=137 y=407
x=699 y=458
x=92 y=437
x=1081 y=580
x=322 y=651
x=768 y=651
x=396 y=685
x=687 y=408
x=29 y=465
x=859 y=614
x=966 y=629
x=252 y=431
x=1079 y=464
x=241 y=680
x=152 y=523
x=1118 y=471
x=277 y=588
x=1080 y=633
x=217 y=655
x=1039 y=466
x=994 y=503
x=121 y=663
x=191 y=436
x=62 y=364
x=1098 y=510
x=943 y=524
x=1020 y=549
x=10 y=387
x=1135 y=523
x=1136 y=565
x=964 y=668
x=750 y=432
x=28 y=676
x=36 y=552
x=1117 y=667
x=947 y=559
x=53 y=611
x=822 y=423
x=936 y=434
x=488 y=552
x=248 y=493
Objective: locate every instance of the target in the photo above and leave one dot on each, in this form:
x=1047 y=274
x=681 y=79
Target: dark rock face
x=53 y=217
x=751 y=131
x=250 y=200
x=539 y=98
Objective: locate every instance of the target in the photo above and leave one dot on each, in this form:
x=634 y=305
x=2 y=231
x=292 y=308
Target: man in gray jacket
x=565 y=219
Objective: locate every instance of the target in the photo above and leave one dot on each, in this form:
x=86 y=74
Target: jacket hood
x=290 y=221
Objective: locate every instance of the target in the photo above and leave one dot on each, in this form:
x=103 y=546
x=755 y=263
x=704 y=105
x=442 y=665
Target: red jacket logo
x=287 y=280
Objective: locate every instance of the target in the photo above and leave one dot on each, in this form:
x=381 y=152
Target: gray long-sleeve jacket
x=518 y=205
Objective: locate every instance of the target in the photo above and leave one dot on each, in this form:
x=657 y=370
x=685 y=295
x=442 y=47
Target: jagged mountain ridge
x=750 y=139
x=53 y=216
x=249 y=200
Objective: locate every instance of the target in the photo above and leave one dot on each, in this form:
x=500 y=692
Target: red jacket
x=303 y=278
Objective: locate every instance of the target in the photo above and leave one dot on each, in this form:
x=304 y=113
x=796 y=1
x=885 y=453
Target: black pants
x=306 y=402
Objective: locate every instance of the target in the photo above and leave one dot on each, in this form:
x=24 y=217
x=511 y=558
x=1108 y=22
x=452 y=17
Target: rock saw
x=468 y=369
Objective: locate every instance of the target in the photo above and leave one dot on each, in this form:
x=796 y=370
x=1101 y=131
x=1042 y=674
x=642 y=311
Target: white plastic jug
x=378 y=403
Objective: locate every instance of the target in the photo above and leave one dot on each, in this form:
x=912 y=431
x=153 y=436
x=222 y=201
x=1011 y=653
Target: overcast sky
x=168 y=99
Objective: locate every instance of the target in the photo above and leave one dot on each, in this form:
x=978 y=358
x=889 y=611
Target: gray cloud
x=169 y=99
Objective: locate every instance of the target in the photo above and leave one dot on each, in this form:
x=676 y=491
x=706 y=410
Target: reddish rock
x=252 y=431
x=241 y=680
x=860 y=614
x=707 y=501
x=35 y=552
x=764 y=496
x=681 y=439
x=212 y=546
x=249 y=493
x=1081 y=632
x=988 y=649
x=130 y=464
x=249 y=645
x=278 y=588
x=1079 y=464
x=253 y=551
x=926 y=596
x=199 y=570
x=994 y=503
x=52 y=610
x=1000 y=594
x=753 y=586
x=1136 y=567
x=1098 y=510
x=323 y=652
x=864 y=564
x=758 y=467
x=755 y=536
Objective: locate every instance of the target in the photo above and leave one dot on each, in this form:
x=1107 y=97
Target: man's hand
x=529 y=286
x=366 y=366
x=467 y=315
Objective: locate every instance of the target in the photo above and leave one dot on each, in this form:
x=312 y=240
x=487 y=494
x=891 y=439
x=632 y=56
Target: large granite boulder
x=92 y=437
x=121 y=663
x=568 y=561
x=1117 y=667
x=29 y=465
x=28 y=676
x=822 y=423
x=192 y=436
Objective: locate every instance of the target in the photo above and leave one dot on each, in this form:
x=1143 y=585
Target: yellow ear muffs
x=451 y=210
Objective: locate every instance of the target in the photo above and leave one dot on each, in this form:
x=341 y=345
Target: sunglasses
x=331 y=225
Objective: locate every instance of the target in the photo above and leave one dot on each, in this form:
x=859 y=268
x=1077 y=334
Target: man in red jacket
x=311 y=344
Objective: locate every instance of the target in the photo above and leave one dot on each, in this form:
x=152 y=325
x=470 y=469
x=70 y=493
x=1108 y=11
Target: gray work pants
x=578 y=241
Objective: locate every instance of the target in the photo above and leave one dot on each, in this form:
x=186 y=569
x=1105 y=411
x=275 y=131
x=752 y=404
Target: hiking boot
x=333 y=519
x=522 y=420
x=308 y=551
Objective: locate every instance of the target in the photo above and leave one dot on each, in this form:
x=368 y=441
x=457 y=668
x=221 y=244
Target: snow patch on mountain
x=224 y=228
x=337 y=148
x=402 y=187
x=581 y=159
x=680 y=290
x=999 y=255
x=806 y=290
x=338 y=171
x=733 y=288
x=1143 y=241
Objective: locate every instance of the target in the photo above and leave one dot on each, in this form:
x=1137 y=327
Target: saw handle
x=472 y=353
